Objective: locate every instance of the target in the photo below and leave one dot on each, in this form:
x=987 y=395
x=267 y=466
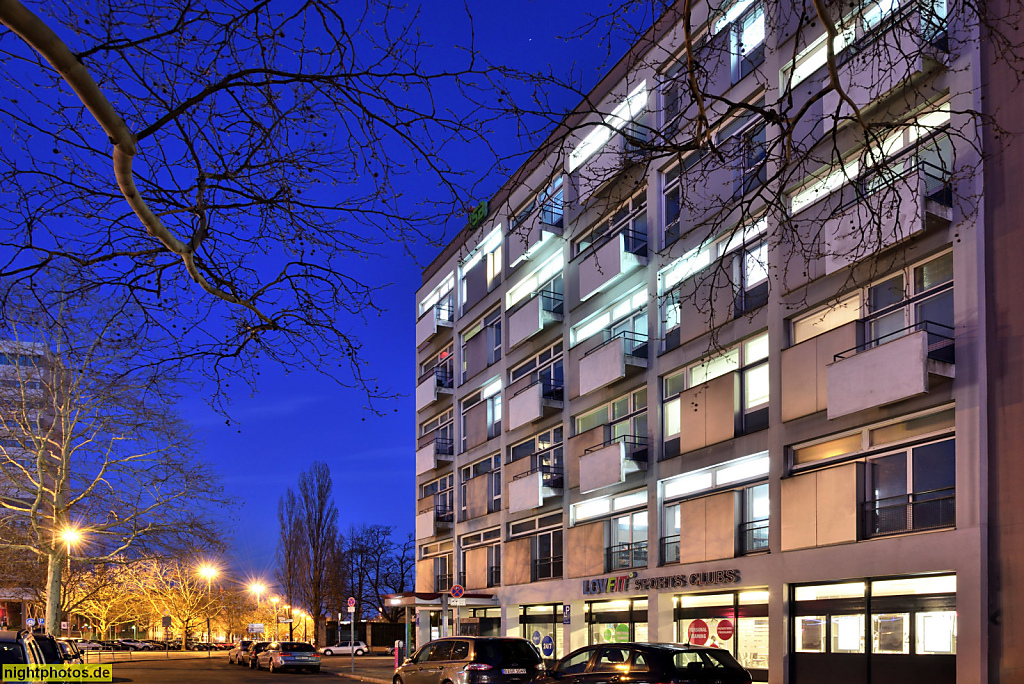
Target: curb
x=362 y=678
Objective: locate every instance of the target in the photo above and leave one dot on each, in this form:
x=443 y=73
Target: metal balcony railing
x=635 y=343
x=442 y=582
x=941 y=340
x=444 y=446
x=753 y=536
x=550 y=388
x=625 y=556
x=670 y=549
x=914 y=512
x=445 y=311
x=551 y=476
x=547 y=568
x=636 y=446
x=444 y=377
x=444 y=514
x=494 y=576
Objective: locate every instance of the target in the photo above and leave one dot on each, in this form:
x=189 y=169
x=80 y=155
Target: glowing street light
x=70 y=535
x=208 y=571
x=257 y=588
x=277 y=621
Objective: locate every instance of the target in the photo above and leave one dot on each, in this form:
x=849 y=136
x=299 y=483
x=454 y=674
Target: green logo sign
x=478 y=214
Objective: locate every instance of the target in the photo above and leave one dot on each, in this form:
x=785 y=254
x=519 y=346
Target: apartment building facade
x=692 y=392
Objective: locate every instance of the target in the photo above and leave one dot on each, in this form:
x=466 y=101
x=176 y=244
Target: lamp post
x=257 y=588
x=208 y=572
x=277 y=624
x=290 y=630
x=70 y=535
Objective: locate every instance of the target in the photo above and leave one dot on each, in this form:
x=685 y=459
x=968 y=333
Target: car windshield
x=11 y=654
x=499 y=652
x=244 y=645
x=719 y=660
x=296 y=646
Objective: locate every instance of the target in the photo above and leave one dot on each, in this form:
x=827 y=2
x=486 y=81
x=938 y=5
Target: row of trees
x=320 y=567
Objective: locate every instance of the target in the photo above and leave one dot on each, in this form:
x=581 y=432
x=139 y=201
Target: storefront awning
x=421 y=599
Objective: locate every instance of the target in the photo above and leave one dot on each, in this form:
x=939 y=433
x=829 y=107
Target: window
x=545 y=366
x=753 y=536
x=545 y=453
x=672 y=203
x=441 y=366
x=441 y=300
x=826 y=318
x=550 y=202
x=602 y=132
x=911 y=490
x=491 y=394
x=490 y=468
x=751 y=172
x=627 y=542
x=630 y=219
x=752 y=277
x=627 y=316
x=442 y=426
x=719 y=477
x=545 y=282
x=750 y=358
x=494 y=565
x=748 y=42
x=547 y=555
x=443 y=490
x=920 y=298
x=442 y=582
x=487 y=256
x=490 y=327
x=624 y=420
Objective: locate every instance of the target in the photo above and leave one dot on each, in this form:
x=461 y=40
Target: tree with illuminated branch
x=178 y=588
x=95 y=466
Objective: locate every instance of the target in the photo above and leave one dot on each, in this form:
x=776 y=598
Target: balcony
x=529 y=490
x=753 y=537
x=434 y=454
x=889 y=369
x=541 y=310
x=625 y=556
x=436 y=383
x=610 y=260
x=915 y=512
x=900 y=51
x=535 y=401
x=546 y=568
x=494 y=576
x=609 y=463
x=883 y=207
x=619 y=357
x=434 y=521
x=439 y=317
x=523 y=240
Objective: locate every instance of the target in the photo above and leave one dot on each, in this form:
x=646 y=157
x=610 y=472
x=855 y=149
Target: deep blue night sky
x=295 y=419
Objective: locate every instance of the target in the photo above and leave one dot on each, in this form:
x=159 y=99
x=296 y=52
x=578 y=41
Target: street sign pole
x=352 y=632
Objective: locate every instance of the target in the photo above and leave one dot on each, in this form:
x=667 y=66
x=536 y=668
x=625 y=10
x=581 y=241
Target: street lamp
x=70 y=535
x=277 y=622
x=289 y=609
x=208 y=572
x=257 y=588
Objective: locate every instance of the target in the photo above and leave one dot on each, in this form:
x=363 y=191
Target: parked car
x=345 y=648
x=69 y=649
x=255 y=648
x=240 y=647
x=15 y=651
x=472 y=660
x=134 y=645
x=288 y=655
x=86 y=645
x=648 y=664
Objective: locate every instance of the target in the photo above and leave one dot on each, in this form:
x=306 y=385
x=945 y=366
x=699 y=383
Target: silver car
x=288 y=655
x=240 y=647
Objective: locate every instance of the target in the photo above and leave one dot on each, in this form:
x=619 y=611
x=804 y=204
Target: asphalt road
x=201 y=670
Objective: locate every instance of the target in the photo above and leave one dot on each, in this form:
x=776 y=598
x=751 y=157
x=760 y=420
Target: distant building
x=632 y=429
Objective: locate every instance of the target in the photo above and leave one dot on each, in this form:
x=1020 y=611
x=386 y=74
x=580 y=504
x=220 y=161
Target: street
x=199 y=670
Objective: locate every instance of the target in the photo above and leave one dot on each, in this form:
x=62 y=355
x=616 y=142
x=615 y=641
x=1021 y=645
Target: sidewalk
x=378 y=670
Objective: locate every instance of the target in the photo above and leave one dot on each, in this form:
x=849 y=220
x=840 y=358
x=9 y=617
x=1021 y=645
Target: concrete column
x=576 y=631
x=422 y=627
x=660 y=623
x=510 y=618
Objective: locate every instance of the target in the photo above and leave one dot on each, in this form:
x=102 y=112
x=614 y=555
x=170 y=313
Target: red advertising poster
x=725 y=630
x=697 y=633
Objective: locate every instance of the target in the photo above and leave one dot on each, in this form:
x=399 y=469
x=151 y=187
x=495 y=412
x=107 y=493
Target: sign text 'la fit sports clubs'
x=630 y=582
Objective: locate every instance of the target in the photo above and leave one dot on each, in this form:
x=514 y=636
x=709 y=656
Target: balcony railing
x=462 y=578
x=547 y=568
x=753 y=536
x=670 y=549
x=636 y=446
x=635 y=343
x=444 y=446
x=445 y=311
x=444 y=514
x=941 y=342
x=442 y=582
x=551 y=476
x=625 y=556
x=494 y=576
x=928 y=510
x=550 y=388
x=444 y=377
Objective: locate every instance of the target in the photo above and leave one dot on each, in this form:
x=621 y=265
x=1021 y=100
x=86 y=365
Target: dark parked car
x=255 y=648
x=647 y=664
x=288 y=655
x=240 y=647
x=472 y=660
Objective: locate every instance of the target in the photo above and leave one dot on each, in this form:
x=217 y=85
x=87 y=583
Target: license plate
x=514 y=670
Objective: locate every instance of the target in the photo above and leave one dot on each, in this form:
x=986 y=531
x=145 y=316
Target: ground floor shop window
x=616 y=621
x=735 y=621
x=542 y=625
x=484 y=622
x=875 y=630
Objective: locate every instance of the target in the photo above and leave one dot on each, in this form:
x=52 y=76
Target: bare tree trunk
x=54 y=565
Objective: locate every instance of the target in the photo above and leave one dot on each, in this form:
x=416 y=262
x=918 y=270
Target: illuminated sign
x=631 y=583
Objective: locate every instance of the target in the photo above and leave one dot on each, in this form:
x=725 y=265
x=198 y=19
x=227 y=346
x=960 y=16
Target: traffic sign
x=351 y=601
x=547 y=646
x=351 y=609
x=458 y=590
x=64 y=625
x=457 y=602
x=30 y=622
x=284 y=621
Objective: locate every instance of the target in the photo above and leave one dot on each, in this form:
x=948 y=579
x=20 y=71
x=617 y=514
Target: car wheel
x=253 y=664
x=271 y=668
x=397 y=680
x=360 y=652
x=328 y=652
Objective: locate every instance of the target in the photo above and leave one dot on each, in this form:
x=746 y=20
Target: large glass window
x=627 y=546
x=617 y=621
x=734 y=621
x=630 y=219
x=911 y=490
